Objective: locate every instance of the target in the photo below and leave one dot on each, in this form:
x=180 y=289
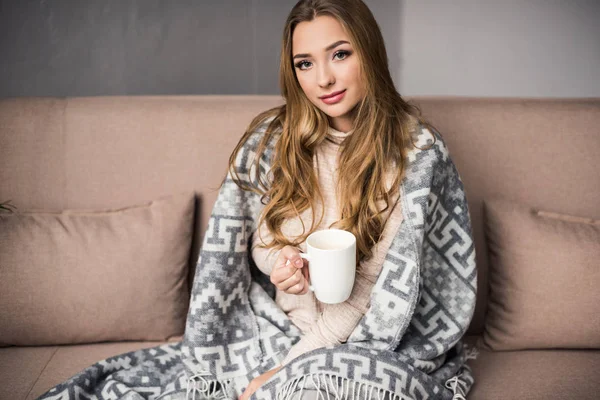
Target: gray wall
x=129 y=47
x=514 y=48
x=526 y=48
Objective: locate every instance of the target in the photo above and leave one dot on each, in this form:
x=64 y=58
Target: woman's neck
x=343 y=123
x=341 y=127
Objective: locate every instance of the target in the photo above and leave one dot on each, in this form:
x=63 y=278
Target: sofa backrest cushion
x=98 y=275
x=544 y=278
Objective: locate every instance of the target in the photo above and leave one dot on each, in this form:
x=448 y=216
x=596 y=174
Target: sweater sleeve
x=337 y=321
x=264 y=258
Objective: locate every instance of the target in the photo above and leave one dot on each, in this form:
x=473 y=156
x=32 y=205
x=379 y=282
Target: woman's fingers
x=282 y=273
x=298 y=284
x=291 y=254
x=288 y=274
x=306 y=277
x=287 y=263
x=294 y=284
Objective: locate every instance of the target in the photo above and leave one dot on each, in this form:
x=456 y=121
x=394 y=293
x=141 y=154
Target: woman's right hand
x=290 y=277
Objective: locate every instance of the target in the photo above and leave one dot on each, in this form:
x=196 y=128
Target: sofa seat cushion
x=28 y=372
x=536 y=374
x=20 y=368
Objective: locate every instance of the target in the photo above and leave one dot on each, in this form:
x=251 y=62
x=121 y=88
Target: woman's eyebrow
x=331 y=46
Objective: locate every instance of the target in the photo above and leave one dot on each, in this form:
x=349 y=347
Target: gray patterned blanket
x=407 y=346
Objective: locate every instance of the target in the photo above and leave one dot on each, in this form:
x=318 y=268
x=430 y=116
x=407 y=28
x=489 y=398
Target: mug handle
x=306 y=257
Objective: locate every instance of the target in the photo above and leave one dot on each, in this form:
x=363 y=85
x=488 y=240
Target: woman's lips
x=334 y=99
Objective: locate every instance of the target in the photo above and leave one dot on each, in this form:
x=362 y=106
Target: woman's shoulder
x=428 y=161
x=267 y=122
x=428 y=144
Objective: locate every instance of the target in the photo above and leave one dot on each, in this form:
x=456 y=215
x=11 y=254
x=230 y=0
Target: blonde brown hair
x=383 y=127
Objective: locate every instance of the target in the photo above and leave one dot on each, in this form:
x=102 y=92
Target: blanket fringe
x=472 y=354
x=210 y=388
x=458 y=387
x=331 y=387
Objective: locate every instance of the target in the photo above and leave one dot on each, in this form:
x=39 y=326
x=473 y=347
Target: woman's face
x=326 y=64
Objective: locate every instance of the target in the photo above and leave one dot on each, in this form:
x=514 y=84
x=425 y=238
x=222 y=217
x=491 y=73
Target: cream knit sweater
x=326 y=324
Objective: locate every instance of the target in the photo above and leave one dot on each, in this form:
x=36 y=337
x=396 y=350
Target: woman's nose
x=325 y=77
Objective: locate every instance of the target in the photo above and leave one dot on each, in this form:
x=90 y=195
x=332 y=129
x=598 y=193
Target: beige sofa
x=111 y=153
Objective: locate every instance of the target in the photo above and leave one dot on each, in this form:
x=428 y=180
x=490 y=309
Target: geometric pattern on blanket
x=407 y=346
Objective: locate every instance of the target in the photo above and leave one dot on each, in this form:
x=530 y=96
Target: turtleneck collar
x=336 y=136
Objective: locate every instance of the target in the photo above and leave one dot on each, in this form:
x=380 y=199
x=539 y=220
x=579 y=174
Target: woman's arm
x=337 y=321
x=264 y=258
x=288 y=272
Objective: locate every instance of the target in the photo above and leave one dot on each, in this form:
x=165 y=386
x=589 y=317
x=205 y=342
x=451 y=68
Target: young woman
x=345 y=151
x=341 y=147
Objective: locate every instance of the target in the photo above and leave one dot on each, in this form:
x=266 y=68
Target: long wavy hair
x=382 y=133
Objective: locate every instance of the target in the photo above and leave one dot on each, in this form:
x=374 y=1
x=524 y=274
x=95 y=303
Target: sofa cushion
x=536 y=375
x=81 y=276
x=544 y=278
x=20 y=368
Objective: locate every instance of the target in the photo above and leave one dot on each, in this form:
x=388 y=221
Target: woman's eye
x=301 y=63
x=342 y=54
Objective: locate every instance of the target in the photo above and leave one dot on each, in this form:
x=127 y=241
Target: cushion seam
x=41 y=372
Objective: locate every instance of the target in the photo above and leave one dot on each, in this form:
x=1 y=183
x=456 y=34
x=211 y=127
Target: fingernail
x=299 y=262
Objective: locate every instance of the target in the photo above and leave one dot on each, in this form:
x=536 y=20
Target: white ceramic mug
x=331 y=255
